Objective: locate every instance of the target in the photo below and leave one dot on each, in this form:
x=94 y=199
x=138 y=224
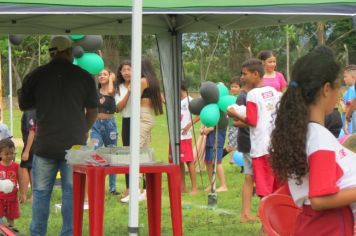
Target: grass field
x=198 y=219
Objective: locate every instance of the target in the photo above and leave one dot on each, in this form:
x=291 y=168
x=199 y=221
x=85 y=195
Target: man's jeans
x=104 y=132
x=44 y=173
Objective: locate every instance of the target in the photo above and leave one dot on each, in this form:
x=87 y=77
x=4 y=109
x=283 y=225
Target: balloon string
x=215 y=156
x=195 y=144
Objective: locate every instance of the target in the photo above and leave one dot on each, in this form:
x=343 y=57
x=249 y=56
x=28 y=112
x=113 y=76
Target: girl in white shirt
x=123 y=105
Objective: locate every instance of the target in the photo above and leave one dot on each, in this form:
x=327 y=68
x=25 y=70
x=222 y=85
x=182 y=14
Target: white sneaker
x=125 y=199
x=86 y=205
x=142 y=196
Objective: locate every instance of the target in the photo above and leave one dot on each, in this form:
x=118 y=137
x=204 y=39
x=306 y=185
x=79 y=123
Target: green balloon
x=223 y=90
x=91 y=62
x=75 y=62
x=76 y=36
x=226 y=101
x=210 y=115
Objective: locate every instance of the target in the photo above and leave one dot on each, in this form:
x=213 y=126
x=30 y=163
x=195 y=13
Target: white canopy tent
x=168 y=20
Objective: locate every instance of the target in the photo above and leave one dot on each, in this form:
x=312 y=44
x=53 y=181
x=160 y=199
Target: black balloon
x=224 y=120
x=90 y=43
x=210 y=92
x=196 y=105
x=16 y=39
x=78 y=51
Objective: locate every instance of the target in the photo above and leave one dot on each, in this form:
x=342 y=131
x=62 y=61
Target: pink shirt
x=278 y=82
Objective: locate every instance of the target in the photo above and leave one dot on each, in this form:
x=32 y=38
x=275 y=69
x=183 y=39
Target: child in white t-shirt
x=186 y=149
x=261 y=103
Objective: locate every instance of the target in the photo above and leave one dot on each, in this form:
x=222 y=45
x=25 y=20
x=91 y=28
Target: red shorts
x=331 y=222
x=186 y=151
x=264 y=178
x=9 y=208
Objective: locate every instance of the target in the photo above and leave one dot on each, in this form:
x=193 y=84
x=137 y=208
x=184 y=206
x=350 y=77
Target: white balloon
x=240 y=109
x=6 y=186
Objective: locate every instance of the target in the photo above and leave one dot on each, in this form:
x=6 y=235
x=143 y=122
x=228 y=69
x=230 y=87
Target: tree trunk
x=18 y=75
x=110 y=53
x=288 y=54
x=321 y=33
x=240 y=49
x=202 y=63
x=346 y=54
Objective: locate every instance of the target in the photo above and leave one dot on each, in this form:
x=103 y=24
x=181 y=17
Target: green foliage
x=213 y=56
x=227 y=50
x=25 y=57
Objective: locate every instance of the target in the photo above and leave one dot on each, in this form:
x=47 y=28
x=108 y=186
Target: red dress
x=9 y=203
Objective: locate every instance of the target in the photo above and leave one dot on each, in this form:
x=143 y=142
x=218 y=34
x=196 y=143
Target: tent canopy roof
x=162 y=16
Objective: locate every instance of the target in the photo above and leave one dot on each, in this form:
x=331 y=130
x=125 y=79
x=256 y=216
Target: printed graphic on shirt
x=261 y=104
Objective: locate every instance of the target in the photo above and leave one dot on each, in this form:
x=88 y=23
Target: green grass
x=197 y=218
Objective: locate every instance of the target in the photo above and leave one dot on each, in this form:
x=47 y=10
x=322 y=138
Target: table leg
x=175 y=200
x=96 y=192
x=78 y=201
x=154 y=191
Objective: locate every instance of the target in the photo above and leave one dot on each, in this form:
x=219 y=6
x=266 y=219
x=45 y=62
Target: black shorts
x=125 y=131
x=27 y=164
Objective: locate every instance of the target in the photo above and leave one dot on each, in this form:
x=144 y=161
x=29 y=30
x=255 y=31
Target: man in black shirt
x=65 y=100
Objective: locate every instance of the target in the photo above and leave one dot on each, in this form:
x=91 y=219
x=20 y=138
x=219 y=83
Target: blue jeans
x=44 y=173
x=104 y=132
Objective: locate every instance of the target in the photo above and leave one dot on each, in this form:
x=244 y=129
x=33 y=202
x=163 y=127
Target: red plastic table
x=95 y=176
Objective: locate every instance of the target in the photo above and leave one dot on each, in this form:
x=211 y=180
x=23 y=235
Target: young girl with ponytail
x=320 y=172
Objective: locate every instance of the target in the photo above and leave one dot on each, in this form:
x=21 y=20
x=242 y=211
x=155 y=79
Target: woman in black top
x=104 y=130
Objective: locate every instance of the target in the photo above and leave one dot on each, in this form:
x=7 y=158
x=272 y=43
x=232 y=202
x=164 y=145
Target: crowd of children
x=271 y=156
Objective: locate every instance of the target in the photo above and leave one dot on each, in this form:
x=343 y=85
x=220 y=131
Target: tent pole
x=177 y=78
x=176 y=98
x=136 y=50
x=10 y=84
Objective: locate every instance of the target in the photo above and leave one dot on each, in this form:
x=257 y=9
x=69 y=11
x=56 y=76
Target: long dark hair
x=120 y=79
x=288 y=143
x=153 y=89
